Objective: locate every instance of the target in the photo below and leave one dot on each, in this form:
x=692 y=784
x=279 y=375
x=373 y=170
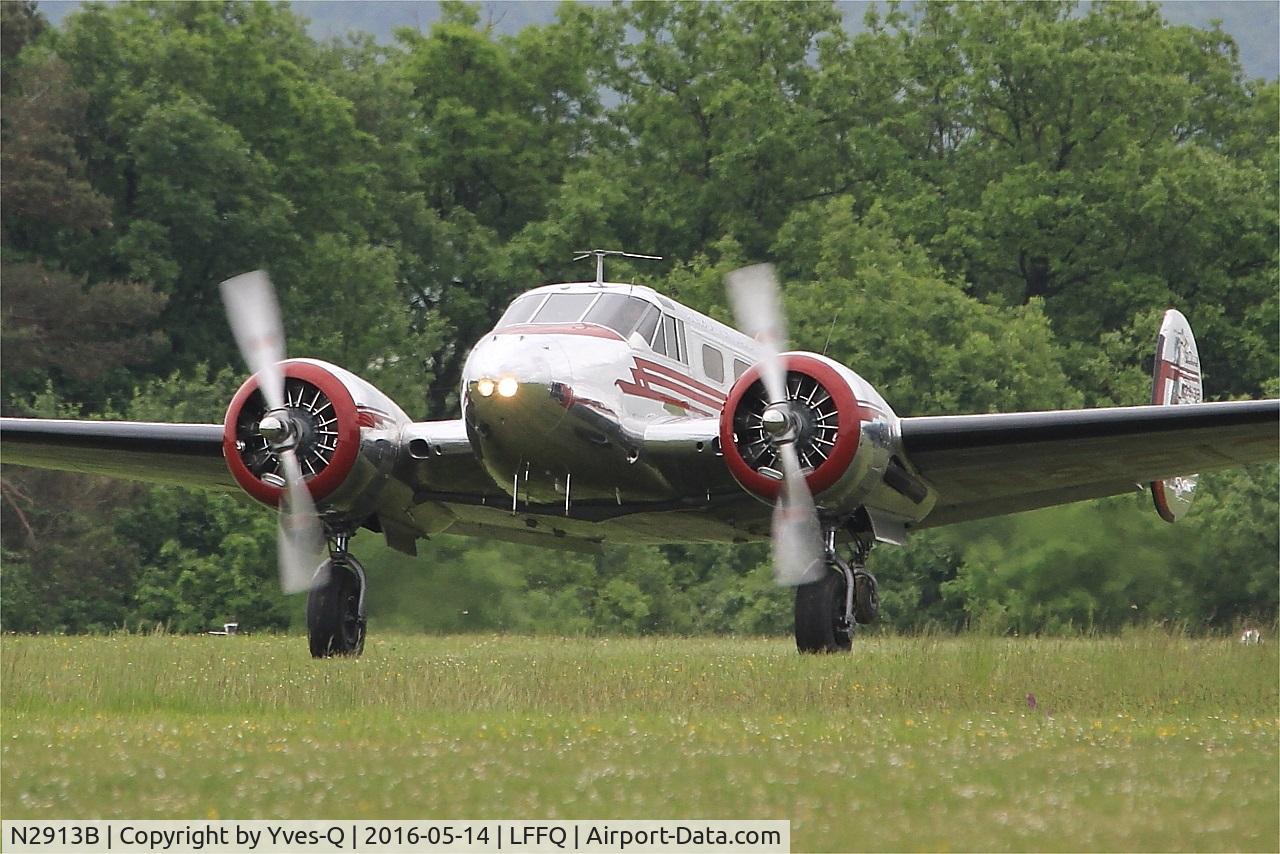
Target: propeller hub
x=278 y=429
x=781 y=423
x=777 y=422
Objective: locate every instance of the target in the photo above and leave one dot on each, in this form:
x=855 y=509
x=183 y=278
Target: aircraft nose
x=501 y=365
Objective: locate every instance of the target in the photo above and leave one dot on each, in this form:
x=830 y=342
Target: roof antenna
x=600 y=253
x=832 y=329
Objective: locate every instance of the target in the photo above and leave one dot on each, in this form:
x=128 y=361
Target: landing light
x=507 y=386
x=485 y=387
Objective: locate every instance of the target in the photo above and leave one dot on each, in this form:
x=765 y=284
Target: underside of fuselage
x=567 y=472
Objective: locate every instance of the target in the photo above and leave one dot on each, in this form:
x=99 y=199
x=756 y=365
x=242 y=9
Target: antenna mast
x=600 y=253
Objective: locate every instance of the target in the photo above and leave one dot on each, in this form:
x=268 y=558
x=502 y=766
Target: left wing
x=181 y=454
x=987 y=465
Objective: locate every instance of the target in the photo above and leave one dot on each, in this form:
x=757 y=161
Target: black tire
x=866 y=598
x=335 y=625
x=820 y=623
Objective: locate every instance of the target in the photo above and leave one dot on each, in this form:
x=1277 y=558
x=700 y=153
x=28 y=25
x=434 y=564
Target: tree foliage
x=979 y=207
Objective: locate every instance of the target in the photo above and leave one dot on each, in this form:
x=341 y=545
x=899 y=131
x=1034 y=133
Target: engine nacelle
x=844 y=441
x=350 y=436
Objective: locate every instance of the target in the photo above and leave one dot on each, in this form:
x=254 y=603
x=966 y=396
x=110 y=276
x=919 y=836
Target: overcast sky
x=1254 y=24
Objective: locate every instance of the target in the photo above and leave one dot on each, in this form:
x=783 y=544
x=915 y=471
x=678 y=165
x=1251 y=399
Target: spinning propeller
x=798 y=555
x=255 y=320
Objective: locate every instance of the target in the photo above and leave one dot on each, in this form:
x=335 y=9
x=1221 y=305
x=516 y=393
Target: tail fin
x=1176 y=380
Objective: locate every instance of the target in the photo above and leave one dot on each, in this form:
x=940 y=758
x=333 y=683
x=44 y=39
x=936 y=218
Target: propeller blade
x=798 y=555
x=254 y=315
x=301 y=546
x=757 y=308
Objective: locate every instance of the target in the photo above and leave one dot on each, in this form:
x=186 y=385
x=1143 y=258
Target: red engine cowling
x=349 y=441
x=841 y=462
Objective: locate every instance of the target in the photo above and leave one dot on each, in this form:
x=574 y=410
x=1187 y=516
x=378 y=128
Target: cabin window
x=564 y=308
x=618 y=312
x=739 y=368
x=520 y=311
x=712 y=363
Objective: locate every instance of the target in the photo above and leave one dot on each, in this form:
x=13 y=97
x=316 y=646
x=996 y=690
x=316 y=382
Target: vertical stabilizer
x=1175 y=381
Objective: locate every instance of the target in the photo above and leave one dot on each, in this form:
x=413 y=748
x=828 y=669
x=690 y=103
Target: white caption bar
x=322 y=837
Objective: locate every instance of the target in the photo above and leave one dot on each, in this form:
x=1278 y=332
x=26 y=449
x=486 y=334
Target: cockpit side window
x=521 y=310
x=648 y=323
x=675 y=337
x=659 y=343
x=668 y=335
x=564 y=308
x=618 y=312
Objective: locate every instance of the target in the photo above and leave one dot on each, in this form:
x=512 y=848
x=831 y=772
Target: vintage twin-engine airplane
x=599 y=413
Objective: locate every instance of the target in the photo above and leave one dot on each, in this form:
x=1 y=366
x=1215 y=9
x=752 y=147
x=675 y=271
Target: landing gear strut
x=335 y=608
x=828 y=609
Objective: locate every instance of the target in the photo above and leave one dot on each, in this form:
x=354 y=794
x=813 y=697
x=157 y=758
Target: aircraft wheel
x=335 y=622
x=866 y=597
x=820 y=615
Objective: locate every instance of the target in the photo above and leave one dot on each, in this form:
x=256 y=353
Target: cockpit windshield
x=520 y=311
x=564 y=308
x=619 y=312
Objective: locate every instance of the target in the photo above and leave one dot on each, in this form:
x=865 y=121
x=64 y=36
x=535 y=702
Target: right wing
x=988 y=465
x=180 y=454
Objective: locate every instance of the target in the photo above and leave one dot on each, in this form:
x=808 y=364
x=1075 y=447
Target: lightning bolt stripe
x=651 y=367
x=658 y=382
x=637 y=390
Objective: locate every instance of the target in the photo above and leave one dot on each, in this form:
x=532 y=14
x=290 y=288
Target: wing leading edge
x=181 y=454
x=980 y=465
x=987 y=465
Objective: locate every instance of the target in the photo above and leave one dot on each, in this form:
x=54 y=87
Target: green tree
x=1228 y=571
x=1103 y=162
x=63 y=570
x=204 y=559
x=722 y=134
x=889 y=313
x=44 y=191
x=498 y=123
x=84 y=339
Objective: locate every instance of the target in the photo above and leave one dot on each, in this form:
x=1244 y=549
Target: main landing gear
x=828 y=609
x=335 y=607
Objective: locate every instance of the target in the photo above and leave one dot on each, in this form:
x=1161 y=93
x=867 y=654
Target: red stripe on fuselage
x=652 y=394
x=654 y=367
x=590 y=330
x=648 y=377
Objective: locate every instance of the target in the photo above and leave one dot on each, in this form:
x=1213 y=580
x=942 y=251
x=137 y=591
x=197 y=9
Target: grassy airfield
x=1147 y=742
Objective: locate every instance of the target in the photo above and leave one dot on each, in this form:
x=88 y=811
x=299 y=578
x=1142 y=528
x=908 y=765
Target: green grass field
x=1148 y=742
